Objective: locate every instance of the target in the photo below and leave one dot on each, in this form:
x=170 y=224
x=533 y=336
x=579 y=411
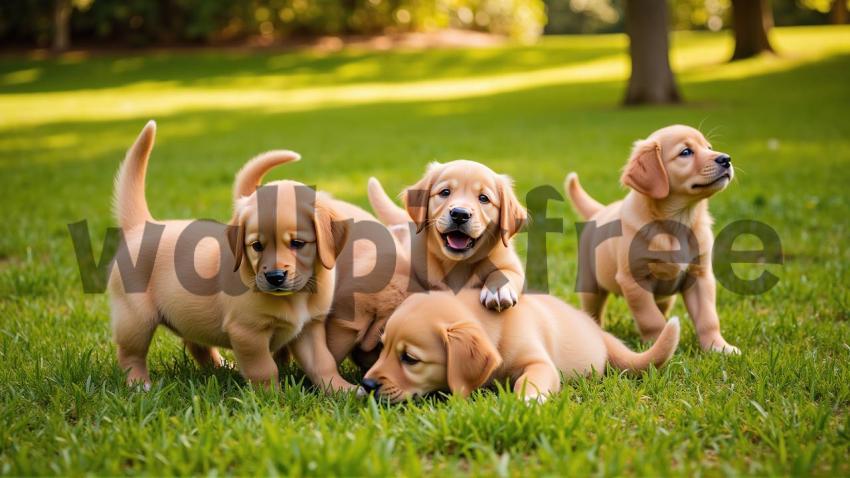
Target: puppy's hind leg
x=594 y=304
x=205 y=356
x=133 y=326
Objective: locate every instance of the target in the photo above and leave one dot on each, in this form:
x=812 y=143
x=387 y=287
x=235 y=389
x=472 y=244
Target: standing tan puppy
x=439 y=341
x=465 y=216
x=252 y=287
x=671 y=175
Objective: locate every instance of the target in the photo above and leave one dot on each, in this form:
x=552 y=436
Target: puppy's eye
x=445 y=193
x=257 y=246
x=686 y=152
x=409 y=359
x=483 y=199
x=710 y=148
x=296 y=244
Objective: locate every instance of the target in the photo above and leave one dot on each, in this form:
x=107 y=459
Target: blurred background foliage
x=169 y=22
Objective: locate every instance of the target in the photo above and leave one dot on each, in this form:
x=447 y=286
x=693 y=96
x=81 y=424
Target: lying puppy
x=439 y=341
x=283 y=280
x=671 y=175
x=352 y=327
x=465 y=216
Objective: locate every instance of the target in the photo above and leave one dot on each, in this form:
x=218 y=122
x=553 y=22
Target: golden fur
x=256 y=323
x=438 y=341
x=447 y=255
x=665 y=185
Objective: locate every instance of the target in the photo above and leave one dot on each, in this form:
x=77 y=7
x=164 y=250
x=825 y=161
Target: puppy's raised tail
x=621 y=357
x=129 y=204
x=387 y=211
x=251 y=175
x=585 y=205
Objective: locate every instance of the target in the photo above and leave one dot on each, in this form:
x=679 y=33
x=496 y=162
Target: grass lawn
x=533 y=112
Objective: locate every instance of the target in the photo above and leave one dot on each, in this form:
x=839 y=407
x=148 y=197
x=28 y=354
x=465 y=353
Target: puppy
x=440 y=341
x=465 y=216
x=671 y=175
x=252 y=287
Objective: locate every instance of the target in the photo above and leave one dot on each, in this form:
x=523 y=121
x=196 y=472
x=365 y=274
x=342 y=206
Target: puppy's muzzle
x=724 y=160
x=276 y=278
x=460 y=215
x=371 y=385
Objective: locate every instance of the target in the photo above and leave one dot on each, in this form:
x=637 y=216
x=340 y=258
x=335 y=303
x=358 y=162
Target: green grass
x=533 y=112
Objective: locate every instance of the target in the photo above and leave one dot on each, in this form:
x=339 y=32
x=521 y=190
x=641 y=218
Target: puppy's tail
x=387 y=211
x=582 y=202
x=621 y=357
x=251 y=175
x=129 y=204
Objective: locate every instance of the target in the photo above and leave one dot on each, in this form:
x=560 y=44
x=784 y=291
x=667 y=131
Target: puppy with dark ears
x=671 y=175
x=465 y=216
x=278 y=289
x=439 y=341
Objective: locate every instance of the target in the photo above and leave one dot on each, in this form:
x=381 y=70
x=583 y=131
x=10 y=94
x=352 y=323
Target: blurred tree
x=838 y=12
x=651 y=80
x=752 y=20
x=62 y=24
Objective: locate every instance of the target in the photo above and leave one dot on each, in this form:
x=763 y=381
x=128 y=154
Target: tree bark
x=838 y=12
x=651 y=80
x=61 y=25
x=751 y=20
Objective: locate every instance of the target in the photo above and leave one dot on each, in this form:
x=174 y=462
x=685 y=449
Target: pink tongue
x=458 y=241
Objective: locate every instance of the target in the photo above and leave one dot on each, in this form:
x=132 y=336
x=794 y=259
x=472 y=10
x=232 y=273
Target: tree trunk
x=61 y=25
x=651 y=81
x=751 y=19
x=838 y=13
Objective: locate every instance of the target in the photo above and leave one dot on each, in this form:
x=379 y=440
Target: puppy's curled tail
x=387 y=211
x=582 y=202
x=251 y=175
x=621 y=357
x=129 y=204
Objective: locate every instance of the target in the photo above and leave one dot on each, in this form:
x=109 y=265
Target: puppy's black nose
x=723 y=160
x=370 y=384
x=276 y=278
x=459 y=215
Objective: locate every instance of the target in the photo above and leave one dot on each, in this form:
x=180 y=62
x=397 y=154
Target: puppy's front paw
x=502 y=298
x=535 y=399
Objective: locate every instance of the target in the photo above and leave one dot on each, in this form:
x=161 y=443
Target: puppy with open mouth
x=255 y=286
x=465 y=216
x=671 y=174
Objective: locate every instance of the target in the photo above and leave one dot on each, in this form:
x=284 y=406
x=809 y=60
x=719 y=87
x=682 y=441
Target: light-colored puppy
x=465 y=216
x=282 y=287
x=440 y=341
x=671 y=174
x=361 y=305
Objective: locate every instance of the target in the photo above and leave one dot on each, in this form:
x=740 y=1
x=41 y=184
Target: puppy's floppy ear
x=331 y=233
x=471 y=357
x=417 y=197
x=512 y=216
x=236 y=233
x=645 y=172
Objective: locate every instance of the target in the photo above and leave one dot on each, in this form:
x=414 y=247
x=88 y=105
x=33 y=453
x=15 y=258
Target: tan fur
x=256 y=323
x=461 y=346
x=585 y=205
x=491 y=264
x=665 y=186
